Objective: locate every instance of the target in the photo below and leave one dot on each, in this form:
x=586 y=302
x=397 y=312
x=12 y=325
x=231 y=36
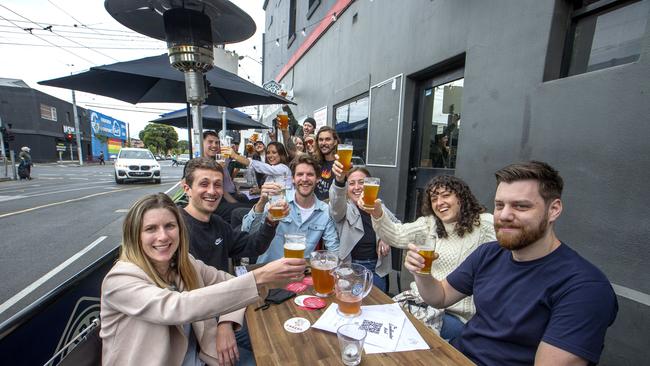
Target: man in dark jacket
x=214 y=241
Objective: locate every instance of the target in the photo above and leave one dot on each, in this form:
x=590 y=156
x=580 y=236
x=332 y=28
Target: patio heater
x=191 y=29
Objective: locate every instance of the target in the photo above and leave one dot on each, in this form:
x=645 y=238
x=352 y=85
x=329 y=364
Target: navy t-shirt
x=560 y=299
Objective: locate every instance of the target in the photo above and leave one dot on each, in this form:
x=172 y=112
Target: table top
x=273 y=345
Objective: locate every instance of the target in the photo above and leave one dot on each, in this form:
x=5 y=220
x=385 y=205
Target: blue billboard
x=113 y=131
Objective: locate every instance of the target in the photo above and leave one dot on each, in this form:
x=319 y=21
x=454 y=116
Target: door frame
x=419 y=176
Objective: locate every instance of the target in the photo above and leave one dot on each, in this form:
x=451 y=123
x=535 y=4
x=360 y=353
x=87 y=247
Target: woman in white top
x=452 y=214
x=275 y=165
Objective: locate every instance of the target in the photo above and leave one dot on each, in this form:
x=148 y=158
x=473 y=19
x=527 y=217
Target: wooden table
x=273 y=345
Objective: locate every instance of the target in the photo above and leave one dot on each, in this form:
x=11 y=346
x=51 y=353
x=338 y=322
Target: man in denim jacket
x=307 y=215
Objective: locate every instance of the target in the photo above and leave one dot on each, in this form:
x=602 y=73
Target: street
x=64 y=210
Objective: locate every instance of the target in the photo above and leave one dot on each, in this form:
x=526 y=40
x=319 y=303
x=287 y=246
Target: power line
x=85 y=27
x=122 y=109
x=66 y=13
x=53 y=45
x=49 y=34
x=64 y=37
x=76 y=47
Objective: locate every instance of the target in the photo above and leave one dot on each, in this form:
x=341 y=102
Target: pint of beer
x=226 y=148
x=294 y=246
x=427 y=249
x=283 y=120
x=370 y=191
x=323 y=263
x=345 y=156
x=277 y=201
x=249 y=148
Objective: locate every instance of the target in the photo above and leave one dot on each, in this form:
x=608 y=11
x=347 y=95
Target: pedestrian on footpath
x=101 y=158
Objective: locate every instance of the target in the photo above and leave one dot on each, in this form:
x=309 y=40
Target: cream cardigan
x=452 y=250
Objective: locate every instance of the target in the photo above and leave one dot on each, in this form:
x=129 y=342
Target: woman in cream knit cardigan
x=453 y=215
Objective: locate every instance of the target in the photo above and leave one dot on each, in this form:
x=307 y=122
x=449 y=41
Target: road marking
x=9 y=198
x=62 y=202
x=121 y=210
x=22 y=294
x=65 y=190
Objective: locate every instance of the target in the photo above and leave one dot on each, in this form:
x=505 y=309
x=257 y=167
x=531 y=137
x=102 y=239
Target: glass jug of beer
x=352 y=282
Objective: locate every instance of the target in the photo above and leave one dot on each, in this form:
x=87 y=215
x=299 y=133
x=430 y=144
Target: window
x=384 y=122
x=605 y=33
x=351 y=123
x=313 y=5
x=48 y=112
x=440 y=121
x=292 y=22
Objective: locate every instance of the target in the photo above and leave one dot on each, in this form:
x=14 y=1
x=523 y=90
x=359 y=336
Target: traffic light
x=68 y=136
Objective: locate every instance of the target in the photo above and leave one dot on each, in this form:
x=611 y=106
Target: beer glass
x=294 y=245
x=277 y=201
x=370 y=191
x=226 y=148
x=249 y=148
x=345 y=156
x=351 y=338
x=322 y=264
x=283 y=120
x=254 y=137
x=427 y=249
x=352 y=282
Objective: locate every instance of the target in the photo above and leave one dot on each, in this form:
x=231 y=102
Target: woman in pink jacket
x=159 y=305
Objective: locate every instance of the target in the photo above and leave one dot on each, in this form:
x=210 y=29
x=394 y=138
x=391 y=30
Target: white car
x=183 y=159
x=136 y=164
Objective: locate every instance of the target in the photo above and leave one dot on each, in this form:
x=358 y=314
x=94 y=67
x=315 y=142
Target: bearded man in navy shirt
x=537 y=300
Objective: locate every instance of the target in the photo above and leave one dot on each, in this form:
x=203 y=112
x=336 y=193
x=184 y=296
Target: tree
x=159 y=138
x=182 y=146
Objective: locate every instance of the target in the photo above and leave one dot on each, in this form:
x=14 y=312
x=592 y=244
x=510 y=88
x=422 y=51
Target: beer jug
x=352 y=283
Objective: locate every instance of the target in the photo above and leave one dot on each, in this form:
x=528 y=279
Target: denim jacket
x=318 y=225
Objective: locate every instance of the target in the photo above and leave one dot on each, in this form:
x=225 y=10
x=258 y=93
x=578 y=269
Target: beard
x=525 y=237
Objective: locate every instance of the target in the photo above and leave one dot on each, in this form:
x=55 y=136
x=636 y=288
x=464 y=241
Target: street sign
x=60 y=147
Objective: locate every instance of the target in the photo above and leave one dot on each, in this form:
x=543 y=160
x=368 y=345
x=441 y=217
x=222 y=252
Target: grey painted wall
x=592 y=127
x=20 y=107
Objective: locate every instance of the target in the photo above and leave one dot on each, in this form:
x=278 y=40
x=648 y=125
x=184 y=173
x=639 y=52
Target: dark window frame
x=313 y=5
x=593 y=9
x=292 y=22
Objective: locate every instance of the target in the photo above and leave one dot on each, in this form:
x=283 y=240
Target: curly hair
x=470 y=208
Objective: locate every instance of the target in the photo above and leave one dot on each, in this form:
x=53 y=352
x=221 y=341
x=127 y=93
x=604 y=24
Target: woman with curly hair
x=451 y=213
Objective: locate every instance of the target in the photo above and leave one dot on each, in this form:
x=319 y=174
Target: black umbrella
x=212 y=119
x=153 y=80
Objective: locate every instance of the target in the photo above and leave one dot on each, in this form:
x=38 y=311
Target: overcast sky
x=97 y=39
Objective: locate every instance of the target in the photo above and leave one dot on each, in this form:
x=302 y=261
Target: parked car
x=357 y=161
x=183 y=158
x=136 y=164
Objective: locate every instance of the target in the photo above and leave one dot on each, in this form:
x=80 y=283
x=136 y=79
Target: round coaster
x=297 y=325
x=299 y=299
x=296 y=287
x=308 y=281
x=314 y=302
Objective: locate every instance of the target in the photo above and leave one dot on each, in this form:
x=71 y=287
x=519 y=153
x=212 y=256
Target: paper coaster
x=314 y=302
x=299 y=299
x=296 y=287
x=308 y=281
x=297 y=325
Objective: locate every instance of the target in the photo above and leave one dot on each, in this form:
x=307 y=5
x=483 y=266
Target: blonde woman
x=159 y=304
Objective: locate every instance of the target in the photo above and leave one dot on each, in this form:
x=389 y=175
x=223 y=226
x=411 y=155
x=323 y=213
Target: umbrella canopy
x=212 y=118
x=153 y=80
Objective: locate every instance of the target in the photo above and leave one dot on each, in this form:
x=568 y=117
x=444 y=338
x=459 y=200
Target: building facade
x=428 y=87
x=42 y=122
